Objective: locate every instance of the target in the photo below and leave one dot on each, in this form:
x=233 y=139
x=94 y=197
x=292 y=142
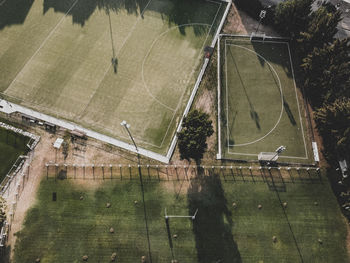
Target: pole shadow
x=253 y=114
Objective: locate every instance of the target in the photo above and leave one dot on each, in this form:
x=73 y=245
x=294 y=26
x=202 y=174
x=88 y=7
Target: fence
x=13 y=184
x=177 y=173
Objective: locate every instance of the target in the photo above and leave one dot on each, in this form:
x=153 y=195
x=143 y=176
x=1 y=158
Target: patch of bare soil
x=234 y=23
x=239 y=22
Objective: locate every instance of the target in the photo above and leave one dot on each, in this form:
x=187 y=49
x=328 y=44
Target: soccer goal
x=257 y=36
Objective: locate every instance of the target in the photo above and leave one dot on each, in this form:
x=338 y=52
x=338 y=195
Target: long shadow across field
x=13 y=12
x=253 y=114
x=213 y=223
x=179 y=13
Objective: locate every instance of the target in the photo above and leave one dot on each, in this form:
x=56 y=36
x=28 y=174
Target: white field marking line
x=296 y=95
x=214 y=3
x=228 y=130
x=159 y=36
x=3 y=2
x=110 y=64
x=290 y=157
x=290 y=57
x=219 y=97
x=174 y=110
x=180 y=100
x=260 y=41
x=148 y=53
x=291 y=65
x=280 y=87
x=43 y=43
x=190 y=75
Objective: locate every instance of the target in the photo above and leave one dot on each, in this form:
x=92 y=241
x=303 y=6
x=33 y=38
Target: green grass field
x=65 y=230
x=12 y=145
x=259 y=106
x=57 y=59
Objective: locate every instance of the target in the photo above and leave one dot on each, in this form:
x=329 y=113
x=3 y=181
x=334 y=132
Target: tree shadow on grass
x=181 y=12
x=213 y=223
x=82 y=10
x=14 y=12
x=5 y=254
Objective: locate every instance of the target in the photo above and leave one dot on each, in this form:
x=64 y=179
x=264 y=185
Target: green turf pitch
x=65 y=230
x=12 y=145
x=58 y=60
x=259 y=106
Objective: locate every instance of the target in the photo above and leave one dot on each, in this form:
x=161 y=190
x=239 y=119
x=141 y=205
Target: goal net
x=257 y=36
x=267 y=157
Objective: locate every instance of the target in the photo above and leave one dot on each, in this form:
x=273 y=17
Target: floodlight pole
x=127 y=126
x=261 y=15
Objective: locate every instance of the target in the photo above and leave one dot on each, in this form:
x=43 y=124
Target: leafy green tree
x=327 y=72
x=333 y=123
x=196 y=128
x=320 y=30
x=292 y=17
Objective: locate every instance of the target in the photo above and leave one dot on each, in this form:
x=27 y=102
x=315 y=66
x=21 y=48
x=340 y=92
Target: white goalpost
x=257 y=36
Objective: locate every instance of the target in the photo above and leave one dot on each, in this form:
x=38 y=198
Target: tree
x=196 y=128
x=333 y=123
x=321 y=28
x=291 y=17
x=327 y=72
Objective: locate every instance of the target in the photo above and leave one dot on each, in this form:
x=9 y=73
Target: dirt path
x=239 y=22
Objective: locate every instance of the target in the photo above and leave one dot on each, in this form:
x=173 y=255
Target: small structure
x=28 y=119
x=344 y=168
x=58 y=143
x=50 y=127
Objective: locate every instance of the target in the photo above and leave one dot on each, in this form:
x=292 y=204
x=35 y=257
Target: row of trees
x=325 y=67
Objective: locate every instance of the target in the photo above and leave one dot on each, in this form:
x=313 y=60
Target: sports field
x=260 y=108
x=79 y=222
x=12 y=145
x=100 y=62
